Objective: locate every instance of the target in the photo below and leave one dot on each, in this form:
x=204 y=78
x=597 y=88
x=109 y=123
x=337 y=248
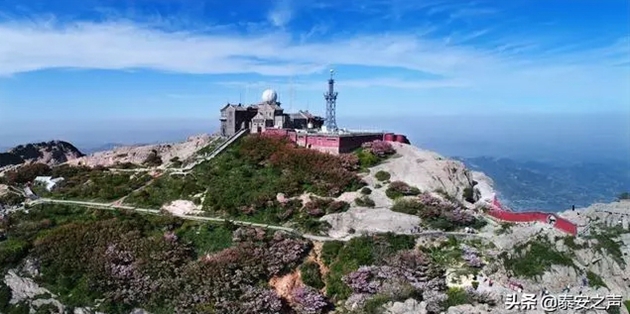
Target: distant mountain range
x=104 y=147
x=527 y=185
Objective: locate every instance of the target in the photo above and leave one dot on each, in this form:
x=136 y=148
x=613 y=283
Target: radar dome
x=269 y=96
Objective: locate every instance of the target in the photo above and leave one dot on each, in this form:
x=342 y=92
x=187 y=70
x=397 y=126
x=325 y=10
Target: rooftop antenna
x=331 y=104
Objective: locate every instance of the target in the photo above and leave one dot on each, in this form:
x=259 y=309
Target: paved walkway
x=312 y=237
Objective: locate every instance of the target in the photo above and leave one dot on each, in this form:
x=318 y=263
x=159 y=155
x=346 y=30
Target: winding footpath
x=112 y=206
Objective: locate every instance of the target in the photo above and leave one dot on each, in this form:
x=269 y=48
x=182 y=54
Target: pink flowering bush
x=307 y=300
x=379 y=148
x=471 y=256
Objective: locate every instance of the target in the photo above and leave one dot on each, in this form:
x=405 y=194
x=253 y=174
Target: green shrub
x=5 y=297
x=12 y=251
x=475 y=284
x=627 y=304
x=456 y=296
x=27 y=173
x=364 y=201
x=377 y=186
x=505 y=228
x=469 y=195
x=330 y=250
x=311 y=275
x=595 y=280
x=359 y=251
x=607 y=242
x=153 y=159
x=367 y=159
x=533 y=258
x=11 y=199
x=398 y=189
x=407 y=206
x=366 y=191
x=624 y=196
x=382 y=175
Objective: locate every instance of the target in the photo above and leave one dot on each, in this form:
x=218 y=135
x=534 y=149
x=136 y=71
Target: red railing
x=560 y=223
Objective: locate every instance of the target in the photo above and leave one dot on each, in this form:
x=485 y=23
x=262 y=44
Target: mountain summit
x=50 y=153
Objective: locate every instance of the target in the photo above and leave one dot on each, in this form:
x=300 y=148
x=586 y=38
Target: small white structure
x=269 y=96
x=48 y=182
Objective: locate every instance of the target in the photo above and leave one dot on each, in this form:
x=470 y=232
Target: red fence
x=558 y=222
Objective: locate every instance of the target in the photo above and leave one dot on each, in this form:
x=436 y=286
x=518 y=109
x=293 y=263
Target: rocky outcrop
x=50 y=153
x=426 y=170
x=168 y=152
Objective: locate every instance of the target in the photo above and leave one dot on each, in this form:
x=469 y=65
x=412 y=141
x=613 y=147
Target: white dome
x=269 y=95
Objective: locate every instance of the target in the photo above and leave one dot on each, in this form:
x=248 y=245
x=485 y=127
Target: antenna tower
x=331 y=104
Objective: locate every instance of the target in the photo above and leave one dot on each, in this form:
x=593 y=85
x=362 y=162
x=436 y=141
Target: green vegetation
x=366 y=191
x=165 y=189
x=27 y=173
x=311 y=275
x=330 y=250
x=364 y=201
x=407 y=206
x=624 y=196
x=130 y=260
x=358 y=252
x=243 y=182
x=607 y=243
x=100 y=184
x=533 y=258
x=504 y=228
x=175 y=162
x=153 y=159
x=367 y=159
x=457 y=296
x=569 y=241
x=447 y=254
x=398 y=189
x=595 y=280
x=205 y=238
x=469 y=195
x=437 y=214
x=382 y=175
x=627 y=304
x=210 y=147
x=11 y=199
x=5 y=297
x=12 y=251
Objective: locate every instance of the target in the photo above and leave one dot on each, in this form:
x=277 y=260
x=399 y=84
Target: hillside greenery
x=244 y=180
x=98 y=183
x=533 y=258
x=159 y=263
x=115 y=261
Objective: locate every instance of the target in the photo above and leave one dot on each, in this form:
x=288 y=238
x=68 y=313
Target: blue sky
x=93 y=60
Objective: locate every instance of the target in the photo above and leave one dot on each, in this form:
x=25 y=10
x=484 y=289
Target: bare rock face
x=168 y=152
x=50 y=153
x=370 y=220
x=410 y=306
x=426 y=170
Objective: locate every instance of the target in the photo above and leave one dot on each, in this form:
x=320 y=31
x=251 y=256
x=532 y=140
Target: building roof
x=238 y=107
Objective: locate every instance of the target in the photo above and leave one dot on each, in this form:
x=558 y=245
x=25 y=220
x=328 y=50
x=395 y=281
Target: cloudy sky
x=97 y=60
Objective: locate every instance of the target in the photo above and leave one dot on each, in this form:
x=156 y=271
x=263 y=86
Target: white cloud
x=281 y=14
x=31 y=45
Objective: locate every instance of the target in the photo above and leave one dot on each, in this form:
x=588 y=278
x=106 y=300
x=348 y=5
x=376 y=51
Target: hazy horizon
x=539 y=137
